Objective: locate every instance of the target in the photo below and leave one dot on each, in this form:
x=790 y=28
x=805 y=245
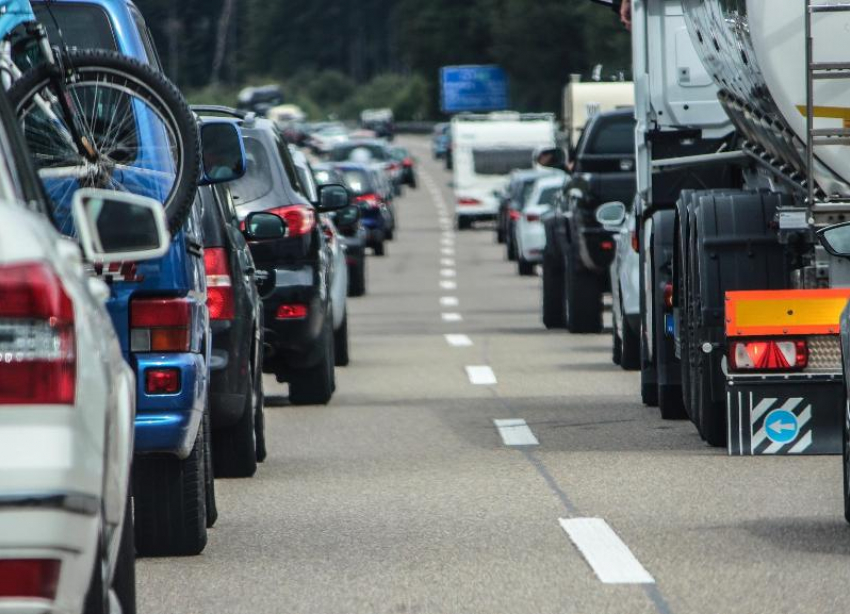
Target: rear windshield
x=324 y=176
x=83 y=26
x=351 y=152
x=500 y=161
x=358 y=182
x=257 y=181
x=527 y=189
x=547 y=196
x=615 y=137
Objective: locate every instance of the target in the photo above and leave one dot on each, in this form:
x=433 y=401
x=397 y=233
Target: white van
x=486 y=148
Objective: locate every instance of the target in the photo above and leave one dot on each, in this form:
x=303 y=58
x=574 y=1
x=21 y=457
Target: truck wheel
x=235 y=447
x=583 y=298
x=357 y=279
x=315 y=385
x=169 y=497
x=209 y=472
x=341 y=358
x=524 y=267
x=846 y=454
x=554 y=297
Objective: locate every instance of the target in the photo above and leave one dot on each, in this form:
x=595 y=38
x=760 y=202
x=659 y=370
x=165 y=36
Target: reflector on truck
x=784 y=312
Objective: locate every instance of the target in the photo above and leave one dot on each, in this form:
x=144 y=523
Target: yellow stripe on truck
x=842 y=113
x=784 y=312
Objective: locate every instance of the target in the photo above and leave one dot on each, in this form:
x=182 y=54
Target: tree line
x=336 y=55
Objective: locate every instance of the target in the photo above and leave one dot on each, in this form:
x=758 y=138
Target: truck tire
x=554 y=297
x=846 y=458
x=583 y=298
x=734 y=247
x=235 y=447
x=169 y=498
x=315 y=385
x=341 y=358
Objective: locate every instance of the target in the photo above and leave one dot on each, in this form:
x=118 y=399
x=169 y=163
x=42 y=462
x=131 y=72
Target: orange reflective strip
x=784 y=312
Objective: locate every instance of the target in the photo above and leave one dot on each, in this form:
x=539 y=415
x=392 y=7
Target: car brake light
x=768 y=355
x=532 y=217
x=300 y=219
x=29 y=578
x=291 y=312
x=162 y=381
x=160 y=325
x=668 y=295
x=408 y=162
x=373 y=200
x=220 y=299
x=607 y=246
x=37 y=346
x=635 y=243
x=468 y=202
x=514 y=215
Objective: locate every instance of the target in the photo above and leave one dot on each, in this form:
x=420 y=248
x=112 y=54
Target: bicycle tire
x=159 y=92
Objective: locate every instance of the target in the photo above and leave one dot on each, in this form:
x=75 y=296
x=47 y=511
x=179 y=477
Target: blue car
x=375 y=215
x=159 y=311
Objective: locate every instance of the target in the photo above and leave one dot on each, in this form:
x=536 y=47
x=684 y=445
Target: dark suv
x=578 y=250
x=236 y=322
x=293 y=269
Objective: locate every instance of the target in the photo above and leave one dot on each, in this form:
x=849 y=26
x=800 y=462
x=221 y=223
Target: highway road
x=473 y=463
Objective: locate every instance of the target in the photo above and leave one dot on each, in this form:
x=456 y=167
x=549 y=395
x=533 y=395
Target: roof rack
x=217 y=109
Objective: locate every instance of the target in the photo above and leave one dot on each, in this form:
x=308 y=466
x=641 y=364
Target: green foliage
x=338 y=56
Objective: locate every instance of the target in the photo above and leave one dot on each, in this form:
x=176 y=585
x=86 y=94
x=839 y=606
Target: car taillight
x=768 y=355
x=160 y=325
x=635 y=242
x=291 y=312
x=468 y=202
x=38 y=363
x=300 y=219
x=532 y=217
x=607 y=246
x=514 y=215
x=162 y=381
x=373 y=200
x=407 y=163
x=668 y=295
x=29 y=578
x=220 y=299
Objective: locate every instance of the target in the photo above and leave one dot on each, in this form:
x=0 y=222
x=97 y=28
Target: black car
x=351 y=231
x=260 y=99
x=293 y=263
x=578 y=250
x=408 y=166
x=370 y=151
x=364 y=183
x=236 y=323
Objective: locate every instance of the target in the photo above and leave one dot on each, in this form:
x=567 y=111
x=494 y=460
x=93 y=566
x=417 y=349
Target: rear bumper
x=169 y=423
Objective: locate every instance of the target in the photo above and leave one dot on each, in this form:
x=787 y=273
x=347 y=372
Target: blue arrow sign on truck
x=473 y=88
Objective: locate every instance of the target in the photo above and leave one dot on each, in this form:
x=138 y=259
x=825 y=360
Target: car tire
x=209 y=472
x=170 y=504
x=511 y=248
x=500 y=235
x=583 y=298
x=524 y=267
x=616 y=347
x=341 y=358
x=554 y=297
x=630 y=348
x=260 y=417
x=235 y=447
x=464 y=223
x=97 y=599
x=379 y=249
x=124 y=577
x=357 y=279
x=315 y=385
x=389 y=235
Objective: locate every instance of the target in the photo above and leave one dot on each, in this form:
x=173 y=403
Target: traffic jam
x=258 y=356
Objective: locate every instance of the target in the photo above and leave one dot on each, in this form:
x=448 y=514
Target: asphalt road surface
x=404 y=495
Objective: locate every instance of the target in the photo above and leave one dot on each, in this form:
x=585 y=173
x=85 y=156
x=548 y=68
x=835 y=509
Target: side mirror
x=263 y=226
x=348 y=217
x=120 y=227
x=333 y=197
x=611 y=215
x=223 y=152
x=836 y=239
x=553 y=157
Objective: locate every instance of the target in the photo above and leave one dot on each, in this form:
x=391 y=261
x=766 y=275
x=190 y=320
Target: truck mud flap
x=785 y=417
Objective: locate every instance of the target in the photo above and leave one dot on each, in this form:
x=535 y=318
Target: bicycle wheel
x=138 y=132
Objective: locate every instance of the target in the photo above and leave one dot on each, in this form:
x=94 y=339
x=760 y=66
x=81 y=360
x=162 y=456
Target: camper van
x=486 y=148
x=583 y=100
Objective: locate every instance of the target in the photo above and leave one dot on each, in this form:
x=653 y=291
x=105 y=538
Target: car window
x=527 y=189
x=83 y=26
x=501 y=161
x=350 y=152
x=258 y=180
x=147 y=40
x=306 y=179
x=547 y=196
x=613 y=137
x=357 y=181
x=289 y=165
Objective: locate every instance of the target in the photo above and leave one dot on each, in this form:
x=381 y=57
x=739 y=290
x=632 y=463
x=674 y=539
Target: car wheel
x=315 y=385
x=524 y=267
x=464 y=223
x=209 y=473
x=357 y=278
x=170 y=503
x=511 y=244
x=260 y=419
x=235 y=447
x=97 y=599
x=341 y=358
x=389 y=235
x=124 y=578
x=554 y=299
x=379 y=249
x=630 y=355
x=616 y=347
x=584 y=299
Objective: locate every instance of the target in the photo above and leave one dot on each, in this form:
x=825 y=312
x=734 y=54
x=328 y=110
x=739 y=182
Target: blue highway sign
x=473 y=88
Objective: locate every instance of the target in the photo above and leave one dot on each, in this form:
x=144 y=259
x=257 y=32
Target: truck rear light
x=29 y=578
x=768 y=355
x=162 y=381
x=291 y=312
x=532 y=217
x=300 y=219
x=468 y=202
x=220 y=299
x=37 y=345
x=160 y=325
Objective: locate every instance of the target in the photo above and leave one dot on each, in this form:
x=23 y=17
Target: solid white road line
x=610 y=559
x=447 y=262
x=459 y=341
x=515 y=432
x=449 y=301
x=481 y=375
x=447 y=284
x=452 y=317
x=448 y=273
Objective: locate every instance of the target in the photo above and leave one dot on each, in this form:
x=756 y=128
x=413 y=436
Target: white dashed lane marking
x=448 y=273
x=447 y=262
x=458 y=341
x=608 y=557
x=449 y=301
x=452 y=317
x=515 y=432
x=448 y=285
x=481 y=375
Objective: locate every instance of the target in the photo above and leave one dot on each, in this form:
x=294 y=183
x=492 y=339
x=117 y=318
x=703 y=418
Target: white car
x=327 y=138
x=67 y=396
x=529 y=234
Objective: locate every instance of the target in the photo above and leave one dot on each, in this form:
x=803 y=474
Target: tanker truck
x=740 y=305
